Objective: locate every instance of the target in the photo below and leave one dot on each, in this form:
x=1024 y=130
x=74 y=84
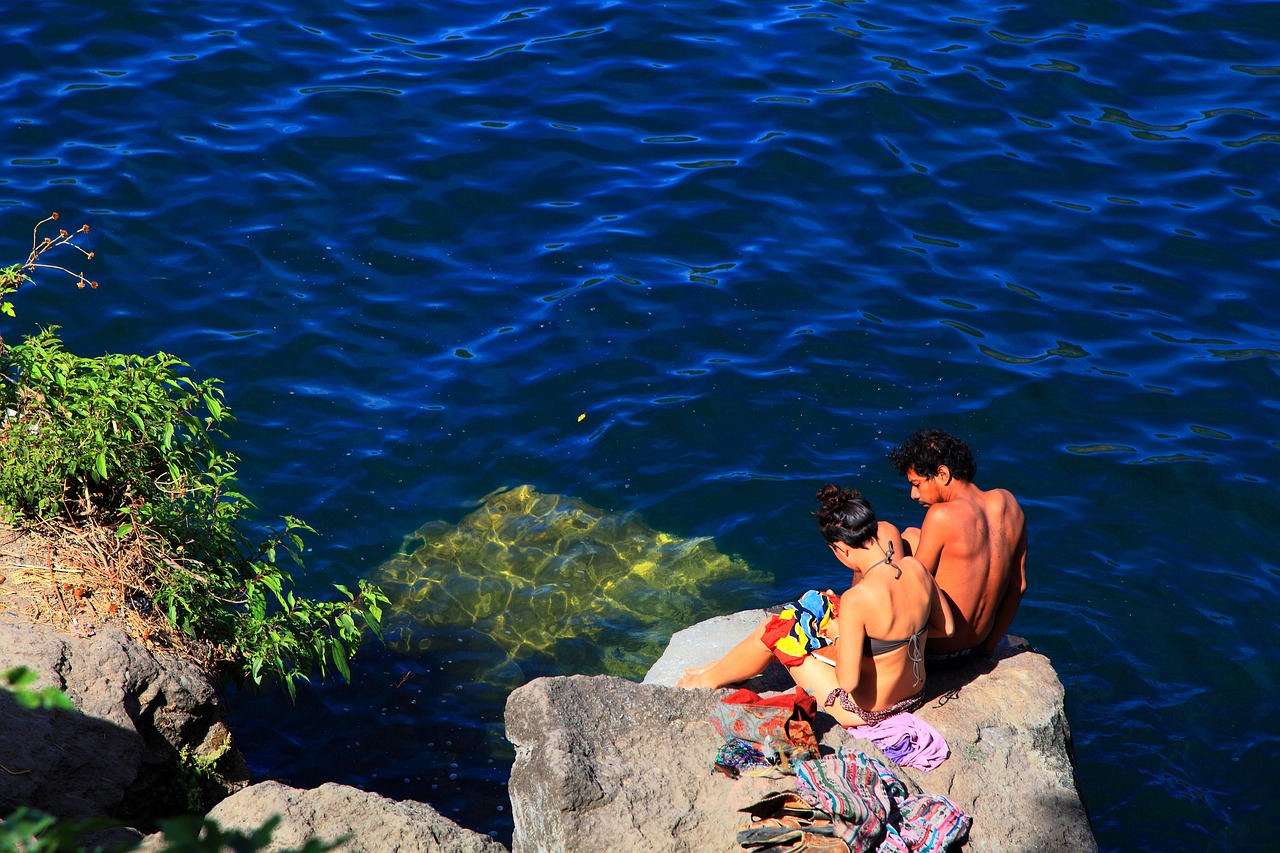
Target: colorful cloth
x=780 y=727
x=906 y=740
x=801 y=628
x=738 y=757
x=872 y=810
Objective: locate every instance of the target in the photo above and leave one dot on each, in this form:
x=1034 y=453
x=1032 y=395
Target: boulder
x=370 y=823
x=118 y=756
x=603 y=763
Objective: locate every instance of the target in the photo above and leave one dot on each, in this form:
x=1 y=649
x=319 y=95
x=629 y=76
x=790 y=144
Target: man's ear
x=944 y=475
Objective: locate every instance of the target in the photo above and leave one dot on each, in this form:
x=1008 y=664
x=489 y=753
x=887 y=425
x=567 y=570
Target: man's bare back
x=974 y=541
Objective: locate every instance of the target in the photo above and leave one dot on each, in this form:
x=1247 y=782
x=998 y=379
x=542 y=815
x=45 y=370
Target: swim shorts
x=950 y=660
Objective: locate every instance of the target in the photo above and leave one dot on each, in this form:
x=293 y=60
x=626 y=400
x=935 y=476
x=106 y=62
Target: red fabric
x=785 y=719
x=803 y=702
x=775 y=630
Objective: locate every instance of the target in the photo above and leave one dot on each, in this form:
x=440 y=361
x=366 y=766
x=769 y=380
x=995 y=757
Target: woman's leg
x=745 y=660
x=820 y=679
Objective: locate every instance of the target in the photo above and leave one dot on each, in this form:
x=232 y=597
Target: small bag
x=779 y=727
x=783 y=719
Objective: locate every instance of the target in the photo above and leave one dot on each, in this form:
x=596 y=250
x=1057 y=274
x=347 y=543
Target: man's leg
x=911 y=539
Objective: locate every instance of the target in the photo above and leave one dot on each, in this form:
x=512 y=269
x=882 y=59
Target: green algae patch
x=553 y=583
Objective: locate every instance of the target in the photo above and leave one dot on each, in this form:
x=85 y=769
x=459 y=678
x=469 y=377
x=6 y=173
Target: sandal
x=783 y=803
x=784 y=823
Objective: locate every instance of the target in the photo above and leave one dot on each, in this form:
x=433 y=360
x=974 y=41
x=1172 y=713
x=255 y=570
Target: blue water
x=755 y=245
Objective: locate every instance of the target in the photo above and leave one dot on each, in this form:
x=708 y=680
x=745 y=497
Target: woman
x=876 y=669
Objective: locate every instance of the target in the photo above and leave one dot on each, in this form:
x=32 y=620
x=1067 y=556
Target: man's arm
x=933 y=534
x=941 y=621
x=1014 y=590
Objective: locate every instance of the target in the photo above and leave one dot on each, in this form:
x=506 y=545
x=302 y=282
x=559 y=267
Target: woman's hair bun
x=832 y=497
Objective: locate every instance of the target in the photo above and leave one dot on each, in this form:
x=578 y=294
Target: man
x=973 y=541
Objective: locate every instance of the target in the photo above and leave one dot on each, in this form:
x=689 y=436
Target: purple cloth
x=907 y=740
x=898 y=751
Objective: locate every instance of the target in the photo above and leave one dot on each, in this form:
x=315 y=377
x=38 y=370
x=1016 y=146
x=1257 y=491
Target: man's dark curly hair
x=928 y=449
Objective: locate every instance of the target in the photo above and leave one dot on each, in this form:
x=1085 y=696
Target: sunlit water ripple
x=754 y=246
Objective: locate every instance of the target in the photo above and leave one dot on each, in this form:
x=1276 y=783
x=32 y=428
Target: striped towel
x=872 y=810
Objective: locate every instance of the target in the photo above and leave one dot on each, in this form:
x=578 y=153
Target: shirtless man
x=973 y=541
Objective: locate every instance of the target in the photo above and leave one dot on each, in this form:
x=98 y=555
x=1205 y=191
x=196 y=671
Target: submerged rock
x=549 y=576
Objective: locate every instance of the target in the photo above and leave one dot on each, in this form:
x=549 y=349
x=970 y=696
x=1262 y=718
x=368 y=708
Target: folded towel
x=907 y=740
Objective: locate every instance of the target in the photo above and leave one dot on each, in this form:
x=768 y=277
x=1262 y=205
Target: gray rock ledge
x=601 y=763
x=607 y=764
x=115 y=758
x=370 y=823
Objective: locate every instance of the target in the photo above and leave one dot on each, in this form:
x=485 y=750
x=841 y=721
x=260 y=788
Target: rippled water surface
x=690 y=261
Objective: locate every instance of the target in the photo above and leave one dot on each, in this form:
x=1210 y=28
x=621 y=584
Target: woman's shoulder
x=913 y=563
x=923 y=576
x=888 y=532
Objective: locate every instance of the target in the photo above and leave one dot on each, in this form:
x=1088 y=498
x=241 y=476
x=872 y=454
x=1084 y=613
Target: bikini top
x=875 y=648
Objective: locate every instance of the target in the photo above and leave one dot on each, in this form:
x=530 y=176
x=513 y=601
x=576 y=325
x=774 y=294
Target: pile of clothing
x=843 y=802
x=906 y=740
x=852 y=802
x=764 y=737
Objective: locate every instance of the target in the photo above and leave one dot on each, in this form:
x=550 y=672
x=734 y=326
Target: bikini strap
x=916 y=654
x=888 y=561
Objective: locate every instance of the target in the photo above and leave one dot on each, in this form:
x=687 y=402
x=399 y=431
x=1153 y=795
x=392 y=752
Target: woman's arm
x=853 y=635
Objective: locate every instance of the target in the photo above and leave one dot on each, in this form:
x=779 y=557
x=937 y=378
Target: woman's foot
x=697 y=676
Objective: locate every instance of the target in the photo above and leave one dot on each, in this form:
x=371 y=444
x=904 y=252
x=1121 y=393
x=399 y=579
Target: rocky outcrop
x=368 y=823
x=119 y=755
x=603 y=763
x=608 y=764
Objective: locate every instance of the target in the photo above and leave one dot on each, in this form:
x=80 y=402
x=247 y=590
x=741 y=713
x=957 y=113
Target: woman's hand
x=832 y=631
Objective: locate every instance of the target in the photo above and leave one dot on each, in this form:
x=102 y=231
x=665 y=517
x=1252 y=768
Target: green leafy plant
x=21 y=682
x=128 y=444
x=31 y=831
x=194 y=774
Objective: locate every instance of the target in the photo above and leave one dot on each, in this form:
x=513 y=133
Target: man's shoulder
x=952 y=512
x=1002 y=499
